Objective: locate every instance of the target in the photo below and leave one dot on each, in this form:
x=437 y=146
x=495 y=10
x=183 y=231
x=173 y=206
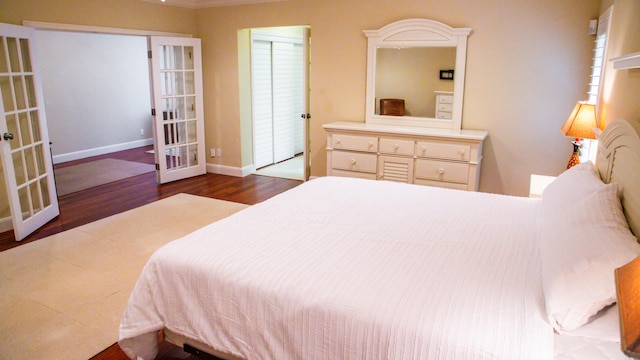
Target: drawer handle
x=461 y=151
x=353 y=161
x=396 y=147
x=423 y=149
x=370 y=144
x=440 y=171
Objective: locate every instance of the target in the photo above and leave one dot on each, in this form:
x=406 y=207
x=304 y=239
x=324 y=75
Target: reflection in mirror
x=413 y=74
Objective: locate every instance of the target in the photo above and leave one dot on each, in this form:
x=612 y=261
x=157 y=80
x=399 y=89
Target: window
x=590 y=147
x=599 y=53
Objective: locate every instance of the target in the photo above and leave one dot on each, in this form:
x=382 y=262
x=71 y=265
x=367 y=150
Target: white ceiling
x=199 y=4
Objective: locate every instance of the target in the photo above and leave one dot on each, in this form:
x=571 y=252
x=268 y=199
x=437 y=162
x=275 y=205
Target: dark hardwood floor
x=89 y=205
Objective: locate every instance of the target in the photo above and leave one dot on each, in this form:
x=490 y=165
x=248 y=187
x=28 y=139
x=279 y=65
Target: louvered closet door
x=284 y=111
x=298 y=99
x=262 y=103
x=278 y=89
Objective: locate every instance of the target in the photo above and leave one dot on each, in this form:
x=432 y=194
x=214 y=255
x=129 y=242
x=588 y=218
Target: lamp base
x=575 y=157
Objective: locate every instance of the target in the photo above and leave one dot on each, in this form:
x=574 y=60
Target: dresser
x=425 y=156
x=444 y=104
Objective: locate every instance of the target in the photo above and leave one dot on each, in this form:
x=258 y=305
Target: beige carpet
x=62 y=297
x=74 y=178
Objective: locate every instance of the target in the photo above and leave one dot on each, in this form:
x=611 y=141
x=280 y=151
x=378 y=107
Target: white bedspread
x=343 y=268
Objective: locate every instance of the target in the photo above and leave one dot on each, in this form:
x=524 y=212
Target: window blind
x=599 y=55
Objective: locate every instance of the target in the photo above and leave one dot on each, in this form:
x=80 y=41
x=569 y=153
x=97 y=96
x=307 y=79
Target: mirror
x=413 y=74
x=417 y=65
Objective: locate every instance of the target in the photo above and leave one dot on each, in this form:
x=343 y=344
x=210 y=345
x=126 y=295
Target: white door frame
x=260 y=34
x=306 y=98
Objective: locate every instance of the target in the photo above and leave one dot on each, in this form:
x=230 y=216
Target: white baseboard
x=6 y=224
x=230 y=170
x=101 y=150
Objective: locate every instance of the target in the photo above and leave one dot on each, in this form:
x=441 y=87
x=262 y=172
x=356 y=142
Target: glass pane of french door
x=179 y=120
x=24 y=144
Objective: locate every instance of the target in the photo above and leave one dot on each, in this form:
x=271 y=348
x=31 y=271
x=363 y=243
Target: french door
x=176 y=75
x=24 y=140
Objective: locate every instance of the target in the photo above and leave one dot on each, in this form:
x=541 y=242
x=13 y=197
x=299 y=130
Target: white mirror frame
x=417 y=33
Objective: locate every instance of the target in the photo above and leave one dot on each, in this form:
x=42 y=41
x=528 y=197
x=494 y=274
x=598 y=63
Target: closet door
x=285 y=113
x=298 y=99
x=262 y=103
x=277 y=90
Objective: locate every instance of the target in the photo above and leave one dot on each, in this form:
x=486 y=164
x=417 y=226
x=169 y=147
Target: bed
x=341 y=268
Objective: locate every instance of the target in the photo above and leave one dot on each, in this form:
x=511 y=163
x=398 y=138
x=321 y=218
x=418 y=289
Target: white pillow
x=580 y=248
x=604 y=326
x=571 y=186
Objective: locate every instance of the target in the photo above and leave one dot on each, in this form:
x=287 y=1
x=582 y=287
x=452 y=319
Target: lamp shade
x=581 y=122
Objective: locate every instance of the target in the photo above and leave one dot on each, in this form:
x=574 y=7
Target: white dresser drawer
x=443 y=150
x=445 y=107
x=353 y=174
x=352 y=161
x=396 y=146
x=444 y=115
x=441 y=171
x=444 y=99
x=357 y=143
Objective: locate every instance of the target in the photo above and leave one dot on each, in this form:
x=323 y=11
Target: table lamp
x=579 y=125
x=628 y=297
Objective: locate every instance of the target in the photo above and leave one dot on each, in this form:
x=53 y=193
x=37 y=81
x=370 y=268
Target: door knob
x=8 y=136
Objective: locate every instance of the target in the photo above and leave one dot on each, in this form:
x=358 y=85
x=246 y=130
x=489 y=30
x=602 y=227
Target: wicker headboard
x=619 y=162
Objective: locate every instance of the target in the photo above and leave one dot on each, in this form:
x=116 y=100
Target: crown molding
x=201 y=4
x=98 y=29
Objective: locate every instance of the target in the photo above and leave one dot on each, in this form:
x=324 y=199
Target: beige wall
x=129 y=14
x=621 y=87
x=528 y=63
